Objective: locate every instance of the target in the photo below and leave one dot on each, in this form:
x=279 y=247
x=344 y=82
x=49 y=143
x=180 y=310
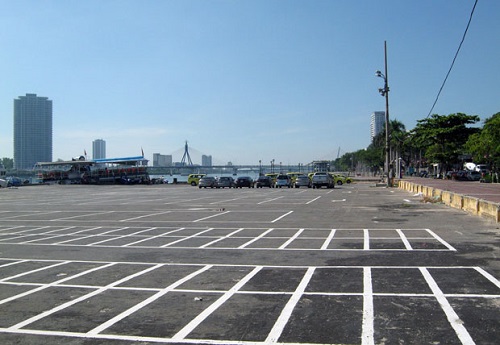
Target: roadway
x=176 y=264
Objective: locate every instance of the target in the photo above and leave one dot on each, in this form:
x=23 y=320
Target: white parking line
x=366 y=237
x=144 y=216
x=313 y=200
x=82 y=215
x=269 y=200
x=147 y=301
x=367 y=326
x=282 y=320
x=152 y=237
x=453 y=318
x=185 y=238
x=93 y=235
x=212 y=216
x=446 y=244
x=222 y=238
x=291 y=239
x=81 y=298
x=124 y=236
x=328 y=240
x=214 y=306
x=255 y=239
x=282 y=216
x=404 y=239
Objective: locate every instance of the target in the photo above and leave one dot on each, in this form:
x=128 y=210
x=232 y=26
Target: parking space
x=175 y=264
x=228 y=238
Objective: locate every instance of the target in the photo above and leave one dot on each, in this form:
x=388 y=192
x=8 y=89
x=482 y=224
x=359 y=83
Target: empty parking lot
x=175 y=264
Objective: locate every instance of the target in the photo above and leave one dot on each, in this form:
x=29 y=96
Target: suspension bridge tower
x=186 y=156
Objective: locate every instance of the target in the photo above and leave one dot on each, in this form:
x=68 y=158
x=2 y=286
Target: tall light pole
x=385 y=93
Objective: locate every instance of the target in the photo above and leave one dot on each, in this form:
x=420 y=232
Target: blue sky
x=242 y=81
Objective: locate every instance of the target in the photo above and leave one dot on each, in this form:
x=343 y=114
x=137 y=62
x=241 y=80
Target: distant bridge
x=228 y=169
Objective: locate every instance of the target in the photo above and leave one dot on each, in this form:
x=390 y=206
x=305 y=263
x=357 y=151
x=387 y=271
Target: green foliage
x=8 y=163
x=442 y=138
x=485 y=145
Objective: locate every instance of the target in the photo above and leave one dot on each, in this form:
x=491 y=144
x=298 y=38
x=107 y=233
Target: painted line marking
x=212 y=216
x=186 y=238
x=269 y=200
x=29 y=213
x=291 y=239
x=313 y=200
x=119 y=237
x=328 y=239
x=488 y=276
x=255 y=239
x=282 y=320
x=93 y=235
x=81 y=298
x=282 y=216
x=147 y=301
x=43 y=287
x=152 y=237
x=82 y=215
x=214 y=306
x=144 y=216
x=222 y=238
x=440 y=240
x=404 y=239
x=366 y=239
x=452 y=317
x=367 y=326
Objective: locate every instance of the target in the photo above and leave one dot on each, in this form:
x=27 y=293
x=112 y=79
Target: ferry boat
x=126 y=170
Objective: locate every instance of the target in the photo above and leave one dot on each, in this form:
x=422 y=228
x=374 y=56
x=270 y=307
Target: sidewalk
x=482 y=199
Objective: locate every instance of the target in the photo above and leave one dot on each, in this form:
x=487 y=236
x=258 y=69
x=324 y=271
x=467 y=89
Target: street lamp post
x=385 y=93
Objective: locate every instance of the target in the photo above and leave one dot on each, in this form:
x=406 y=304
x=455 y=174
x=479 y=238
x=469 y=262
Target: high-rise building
x=32 y=131
x=377 y=124
x=98 y=149
x=206 y=160
x=160 y=160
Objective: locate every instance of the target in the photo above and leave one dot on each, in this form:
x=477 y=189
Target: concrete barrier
x=471 y=205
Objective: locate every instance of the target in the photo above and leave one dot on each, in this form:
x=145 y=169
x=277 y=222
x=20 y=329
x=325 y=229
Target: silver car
x=207 y=181
x=302 y=181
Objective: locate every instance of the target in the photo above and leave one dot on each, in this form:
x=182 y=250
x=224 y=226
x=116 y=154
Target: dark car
x=244 y=181
x=264 y=181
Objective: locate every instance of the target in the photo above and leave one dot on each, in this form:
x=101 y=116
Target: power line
x=453 y=62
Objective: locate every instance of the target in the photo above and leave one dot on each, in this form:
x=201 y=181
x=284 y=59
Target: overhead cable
x=453 y=62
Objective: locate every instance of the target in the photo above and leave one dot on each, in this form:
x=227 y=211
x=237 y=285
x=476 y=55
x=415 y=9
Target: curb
x=469 y=204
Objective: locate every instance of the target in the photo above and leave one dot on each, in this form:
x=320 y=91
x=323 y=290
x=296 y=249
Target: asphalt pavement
x=176 y=264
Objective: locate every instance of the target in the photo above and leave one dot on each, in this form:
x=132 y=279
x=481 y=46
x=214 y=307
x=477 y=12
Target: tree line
x=444 y=141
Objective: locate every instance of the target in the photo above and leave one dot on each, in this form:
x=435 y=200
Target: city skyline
x=243 y=81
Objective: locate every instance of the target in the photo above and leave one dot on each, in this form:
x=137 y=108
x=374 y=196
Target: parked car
x=225 y=181
x=272 y=176
x=264 y=181
x=193 y=179
x=341 y=179
x=207 y=181
x=14 y=181
x=302 y=181
x=473 y=175
x=283 y=181
x=320 y=179
x=244 y=181
x=3 y=183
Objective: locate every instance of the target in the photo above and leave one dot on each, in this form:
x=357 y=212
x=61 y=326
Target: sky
x=242 y=80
